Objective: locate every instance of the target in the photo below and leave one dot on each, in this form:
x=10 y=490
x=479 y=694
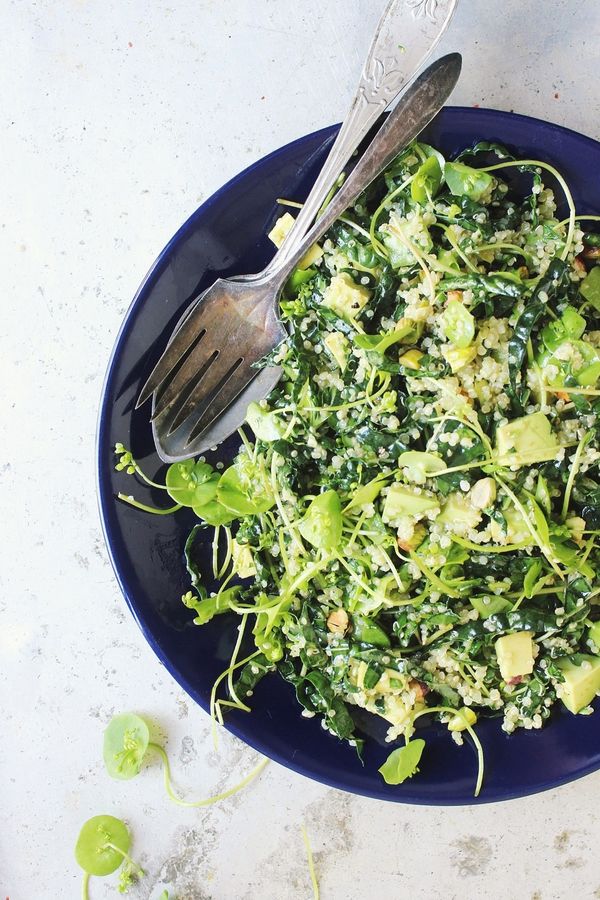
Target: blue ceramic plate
x=226 y=235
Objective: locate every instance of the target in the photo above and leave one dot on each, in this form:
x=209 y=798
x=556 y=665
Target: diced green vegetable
x=526 y=441
x=581 y=683
x=458 y=324
x=345 y=297
x=514 y=653
x=405 y=501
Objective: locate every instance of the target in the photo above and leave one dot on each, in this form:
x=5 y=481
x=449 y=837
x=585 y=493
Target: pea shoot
x=126 y=746
x=403 y=762
x=103 y=847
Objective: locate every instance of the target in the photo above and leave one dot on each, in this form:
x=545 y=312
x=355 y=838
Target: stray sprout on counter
x=103 y=847
x=126 y=745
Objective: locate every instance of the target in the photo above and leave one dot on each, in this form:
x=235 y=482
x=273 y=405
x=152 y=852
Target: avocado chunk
x=337 y=345
x=458 y=324
x=243 y=560
x=459 y=515
x=403 y=501
x=280 y=231
x=527 y=440
x=418 y=466
x=514 y=653
x=265 y=424
x=582 y=681
x=345 y=297
x=458 y=357
x=399 y=235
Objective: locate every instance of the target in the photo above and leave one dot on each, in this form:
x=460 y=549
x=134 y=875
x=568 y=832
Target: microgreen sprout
x=126 y=463
x=102 y=847
x=126 y=744
x=311 y=864
x=403 y=762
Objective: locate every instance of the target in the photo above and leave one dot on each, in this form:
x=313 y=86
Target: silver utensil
x=238 y=321
x=389 y=66
x=407 y=33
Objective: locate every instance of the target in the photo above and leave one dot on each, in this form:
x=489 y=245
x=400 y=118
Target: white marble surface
x=117 y=118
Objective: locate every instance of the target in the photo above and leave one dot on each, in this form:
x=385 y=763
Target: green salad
x=411 y=525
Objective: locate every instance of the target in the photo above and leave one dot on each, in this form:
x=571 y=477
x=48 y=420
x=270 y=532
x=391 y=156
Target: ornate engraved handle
x=421 y=102
x=407 y=33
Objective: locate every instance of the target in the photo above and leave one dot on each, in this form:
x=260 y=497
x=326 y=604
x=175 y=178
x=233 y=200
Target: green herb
x=126 y=745
x=102 y=847
x=311 y=864
x=403 y=762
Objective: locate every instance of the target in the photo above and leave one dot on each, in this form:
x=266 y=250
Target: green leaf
x=539 y=519
x=542 y=494
x=92 y=851
x=366 y=631
x=590 y=287
x=191 y=483
x=467 y=181
x=126 y=739
x=214 y=513
x=243 y=494
x=322 y=524
x=553 y=285
x=380 y=342
x=427 y=181
x=570 y=556
x=494 y=606
x=403 y=763
x=206 y=608
x=530 y=582
x=366 y=493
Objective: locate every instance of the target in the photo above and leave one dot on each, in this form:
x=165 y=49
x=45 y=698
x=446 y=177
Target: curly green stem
x=208 y=801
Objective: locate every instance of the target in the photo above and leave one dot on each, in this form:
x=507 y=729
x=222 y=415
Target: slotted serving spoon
x=237 y=323
x=389 y=66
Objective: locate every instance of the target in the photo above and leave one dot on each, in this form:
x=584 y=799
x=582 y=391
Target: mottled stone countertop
x=117 y=119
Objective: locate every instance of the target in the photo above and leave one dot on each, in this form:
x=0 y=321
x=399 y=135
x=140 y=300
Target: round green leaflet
x=191 y=483
x=234 y=494
x=403 y=762
x=466 y=181
x=214 y=513
x=102 y=845
x=322 y=524
x=125 y=744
